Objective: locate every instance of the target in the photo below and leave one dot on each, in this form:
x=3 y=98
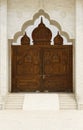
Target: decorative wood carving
x=25 y=40
x=41 y=34
x=58 y=40
x=42 y=68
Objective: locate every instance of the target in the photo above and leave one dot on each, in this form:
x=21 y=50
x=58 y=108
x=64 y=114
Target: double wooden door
x=43 y=69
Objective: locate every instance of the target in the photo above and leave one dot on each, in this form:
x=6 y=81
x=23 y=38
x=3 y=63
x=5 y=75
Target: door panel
x=57 y=72
x=27 y=70
x=55 y=62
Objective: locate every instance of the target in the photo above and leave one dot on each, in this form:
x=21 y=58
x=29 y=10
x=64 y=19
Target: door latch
x=44 y=76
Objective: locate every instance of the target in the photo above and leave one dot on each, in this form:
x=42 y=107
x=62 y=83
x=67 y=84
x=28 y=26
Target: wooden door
x=57 y=69
x=26 y=69
x=42 y=69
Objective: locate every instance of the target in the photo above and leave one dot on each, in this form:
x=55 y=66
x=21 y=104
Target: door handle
x=44 y=76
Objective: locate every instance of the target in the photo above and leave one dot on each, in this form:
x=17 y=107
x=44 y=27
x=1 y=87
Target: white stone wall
x=3 y=48
x=79 y=50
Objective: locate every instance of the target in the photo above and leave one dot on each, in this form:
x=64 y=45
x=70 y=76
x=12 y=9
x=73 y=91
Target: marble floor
x=41 y=120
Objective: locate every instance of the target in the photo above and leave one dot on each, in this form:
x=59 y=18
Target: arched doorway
x=42 y=67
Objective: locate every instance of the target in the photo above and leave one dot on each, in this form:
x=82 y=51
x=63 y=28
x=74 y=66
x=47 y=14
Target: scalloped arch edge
x=31 y=22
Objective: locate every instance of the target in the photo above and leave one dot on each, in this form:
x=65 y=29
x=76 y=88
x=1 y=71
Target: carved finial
x=41 y=34
x=41 y=20
x=25 y=39
x=58 y=33
x=25 y=33
x=58 y=40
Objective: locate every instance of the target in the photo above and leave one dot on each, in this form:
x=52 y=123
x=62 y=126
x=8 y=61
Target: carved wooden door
x=26 y=69
x=42 y=69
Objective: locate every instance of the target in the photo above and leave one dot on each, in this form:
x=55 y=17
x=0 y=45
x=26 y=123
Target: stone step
x=67 y=101
x=15 y=101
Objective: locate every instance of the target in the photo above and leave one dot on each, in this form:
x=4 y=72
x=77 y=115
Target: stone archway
x=31 y=22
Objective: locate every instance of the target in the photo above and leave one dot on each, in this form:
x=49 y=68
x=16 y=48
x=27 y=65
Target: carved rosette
x=58 y=40
x=41 y=34
x=25 y=40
